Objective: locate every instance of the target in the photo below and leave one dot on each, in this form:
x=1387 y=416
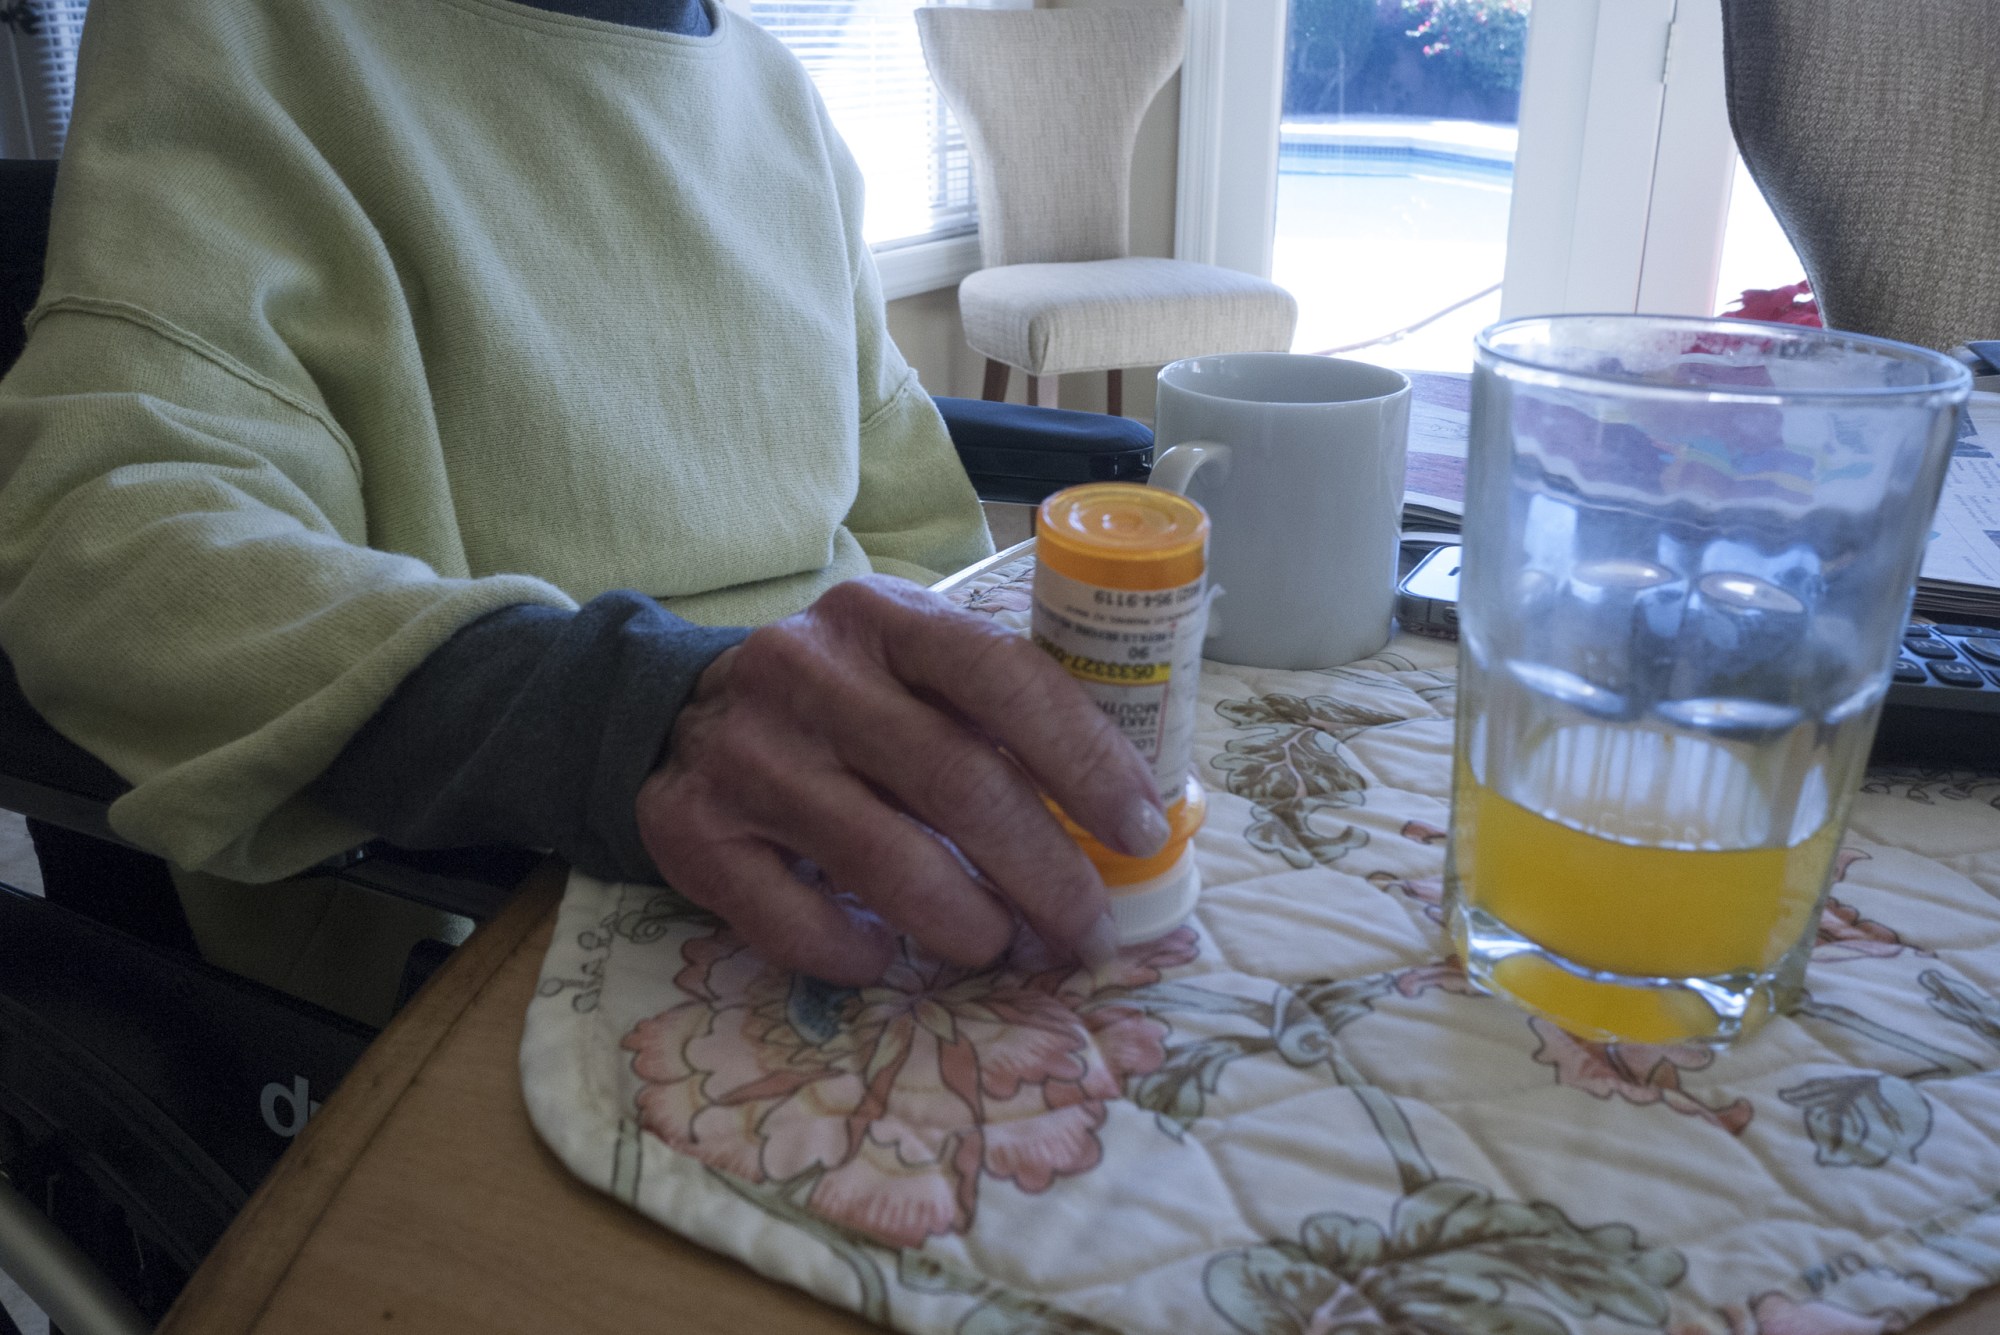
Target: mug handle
x=1175 y=467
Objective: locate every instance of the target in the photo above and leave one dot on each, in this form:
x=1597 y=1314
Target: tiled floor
x=17 y=868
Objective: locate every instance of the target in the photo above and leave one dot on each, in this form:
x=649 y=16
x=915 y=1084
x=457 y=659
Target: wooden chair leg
x=1042 y=390
x=996 y=381
x=1114 y=392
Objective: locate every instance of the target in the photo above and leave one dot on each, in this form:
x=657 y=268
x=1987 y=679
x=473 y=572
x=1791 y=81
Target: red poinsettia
x=1778 y=305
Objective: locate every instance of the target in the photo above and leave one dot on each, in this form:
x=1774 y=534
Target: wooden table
x=420 y=1200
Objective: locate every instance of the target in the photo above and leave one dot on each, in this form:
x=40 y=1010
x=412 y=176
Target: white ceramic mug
x=1299 y=462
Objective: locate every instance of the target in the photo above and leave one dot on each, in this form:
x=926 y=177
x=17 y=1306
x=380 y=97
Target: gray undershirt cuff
x=531 y=726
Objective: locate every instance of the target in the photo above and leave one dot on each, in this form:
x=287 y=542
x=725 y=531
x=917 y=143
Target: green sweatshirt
x=364 y=318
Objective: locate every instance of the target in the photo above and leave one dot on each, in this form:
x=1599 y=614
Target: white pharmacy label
x=1138 y=655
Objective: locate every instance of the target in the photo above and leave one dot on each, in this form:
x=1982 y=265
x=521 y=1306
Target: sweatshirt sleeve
x=186 y=588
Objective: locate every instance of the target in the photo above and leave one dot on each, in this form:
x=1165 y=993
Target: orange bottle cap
x=1185 y=814
x=1150 y=896
x=1121 y=535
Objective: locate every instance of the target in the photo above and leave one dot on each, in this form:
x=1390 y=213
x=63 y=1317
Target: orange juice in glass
x=1689 y=553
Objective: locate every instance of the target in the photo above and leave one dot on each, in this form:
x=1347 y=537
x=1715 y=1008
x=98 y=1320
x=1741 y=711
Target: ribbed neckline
x=680 y=16
x=559 y=24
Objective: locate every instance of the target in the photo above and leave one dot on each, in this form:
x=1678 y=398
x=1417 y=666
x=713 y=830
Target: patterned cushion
x=1096 y=315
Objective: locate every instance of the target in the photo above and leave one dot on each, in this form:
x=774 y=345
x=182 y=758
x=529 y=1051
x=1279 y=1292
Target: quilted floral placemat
x=1291 y=1117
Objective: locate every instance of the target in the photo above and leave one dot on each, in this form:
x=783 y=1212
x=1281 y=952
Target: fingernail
x=1099 y=945
x=1145 y=830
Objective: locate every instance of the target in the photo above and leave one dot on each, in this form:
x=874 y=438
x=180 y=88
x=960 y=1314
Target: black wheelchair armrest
x=44 y=775
x=1014 y=452
x=27 y=188
x=48 y=778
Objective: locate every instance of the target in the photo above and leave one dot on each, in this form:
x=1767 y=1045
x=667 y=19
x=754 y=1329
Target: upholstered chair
x=1050 y=102
x=1870 y=129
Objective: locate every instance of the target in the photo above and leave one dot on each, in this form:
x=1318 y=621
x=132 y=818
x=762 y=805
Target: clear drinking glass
x=1690 y=547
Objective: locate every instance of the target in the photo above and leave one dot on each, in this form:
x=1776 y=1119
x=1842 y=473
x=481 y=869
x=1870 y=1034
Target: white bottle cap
x=1149 y=909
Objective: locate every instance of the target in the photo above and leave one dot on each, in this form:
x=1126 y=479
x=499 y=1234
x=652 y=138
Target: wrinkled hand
x=850 y=732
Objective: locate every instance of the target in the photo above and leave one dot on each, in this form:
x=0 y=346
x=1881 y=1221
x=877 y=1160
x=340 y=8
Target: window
x=865 y=58
x=39 y=38
x=1621 y=179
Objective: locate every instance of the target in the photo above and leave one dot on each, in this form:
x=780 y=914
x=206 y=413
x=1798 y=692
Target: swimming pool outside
x=1384 y=223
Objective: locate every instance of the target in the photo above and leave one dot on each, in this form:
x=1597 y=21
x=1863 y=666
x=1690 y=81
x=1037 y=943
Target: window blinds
x=865 y=59
x=43 y=36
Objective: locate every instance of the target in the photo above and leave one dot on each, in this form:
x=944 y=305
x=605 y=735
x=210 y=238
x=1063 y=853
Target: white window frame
x=1621 y=183
x=1694 y=172
x=1232 y=95
x=926 y=266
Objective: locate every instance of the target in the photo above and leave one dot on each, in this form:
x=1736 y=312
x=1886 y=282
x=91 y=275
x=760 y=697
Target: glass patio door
x=1395 y=173
x=1436 y=164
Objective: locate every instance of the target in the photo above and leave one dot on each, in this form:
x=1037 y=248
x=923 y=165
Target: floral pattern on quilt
x=1294 y=1116
x=883 y=1107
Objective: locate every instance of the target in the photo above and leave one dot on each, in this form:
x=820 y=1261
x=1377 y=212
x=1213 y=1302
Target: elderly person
x=418 y=390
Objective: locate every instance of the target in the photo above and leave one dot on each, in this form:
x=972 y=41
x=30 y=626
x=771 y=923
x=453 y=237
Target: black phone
x=1427 y=597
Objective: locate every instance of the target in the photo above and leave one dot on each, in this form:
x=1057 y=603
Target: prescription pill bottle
x=1121 y=601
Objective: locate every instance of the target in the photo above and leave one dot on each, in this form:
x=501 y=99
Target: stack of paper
x=1440 y=422
x=1961 y=572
